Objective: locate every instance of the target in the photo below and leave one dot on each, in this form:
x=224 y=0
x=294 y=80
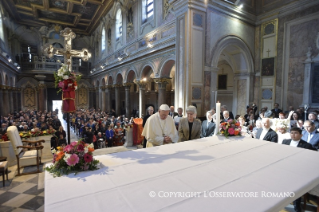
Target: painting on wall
x=222 y=82
x=268 y=66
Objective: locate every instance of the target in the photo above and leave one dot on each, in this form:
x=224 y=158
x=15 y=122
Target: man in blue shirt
x=310 y=134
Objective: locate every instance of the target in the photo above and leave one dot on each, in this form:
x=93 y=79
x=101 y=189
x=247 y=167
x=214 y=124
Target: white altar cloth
x=210 y=165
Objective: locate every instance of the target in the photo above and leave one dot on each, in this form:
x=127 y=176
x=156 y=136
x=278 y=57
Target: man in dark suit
x=296 y=141
x=224 y=108
x=313 y=117
x=266 y=133
x=150 y=111
x=310 y=134
x=172 y=113
x=226 y=116
x=276 y=110
x=208 y=126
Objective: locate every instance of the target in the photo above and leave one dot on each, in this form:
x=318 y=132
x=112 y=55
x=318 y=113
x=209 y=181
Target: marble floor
x=26 y=193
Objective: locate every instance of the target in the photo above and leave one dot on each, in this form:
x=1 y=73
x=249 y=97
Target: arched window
x=103 y=40
x=1 y=28
x=118 y=26
x=147 y=10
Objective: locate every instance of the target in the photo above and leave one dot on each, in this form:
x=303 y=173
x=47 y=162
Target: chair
x=26 y=155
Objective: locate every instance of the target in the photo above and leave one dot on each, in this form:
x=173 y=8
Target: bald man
x=266 y=133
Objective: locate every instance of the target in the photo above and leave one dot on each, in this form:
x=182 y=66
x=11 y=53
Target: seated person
x=189 y=127
x=310 y=134
x=297 y=141
x=100 y=140
x=266 y=133
x=208 y=126
x=282 y=132
x=118 y=134
x=62 y=141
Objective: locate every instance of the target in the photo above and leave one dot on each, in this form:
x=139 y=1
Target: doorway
x=57 y=105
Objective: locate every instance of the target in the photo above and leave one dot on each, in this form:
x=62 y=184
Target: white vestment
x=155 y=128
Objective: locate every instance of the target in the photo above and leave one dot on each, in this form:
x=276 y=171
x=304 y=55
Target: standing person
x=160 y=129
x=276 y=110
x=189 y=127
x=179 y=116
x=150 y=111
x=109 y=134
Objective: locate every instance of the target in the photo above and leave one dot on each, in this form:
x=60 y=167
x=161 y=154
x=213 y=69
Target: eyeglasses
x=306 y=126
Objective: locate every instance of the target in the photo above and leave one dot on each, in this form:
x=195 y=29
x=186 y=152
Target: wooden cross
x=268 y=52
x=67 y=52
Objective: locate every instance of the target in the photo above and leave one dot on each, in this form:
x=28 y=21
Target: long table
x=210 y=174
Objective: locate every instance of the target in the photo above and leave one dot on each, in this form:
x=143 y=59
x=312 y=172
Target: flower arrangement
x=75 y=157
x=230 y=128
x=36 y=132
x=64 y=74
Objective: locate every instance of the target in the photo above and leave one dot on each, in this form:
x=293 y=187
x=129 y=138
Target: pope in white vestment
x=160 y=128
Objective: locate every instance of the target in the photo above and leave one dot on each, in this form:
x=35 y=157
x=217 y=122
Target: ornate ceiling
x=82 y=16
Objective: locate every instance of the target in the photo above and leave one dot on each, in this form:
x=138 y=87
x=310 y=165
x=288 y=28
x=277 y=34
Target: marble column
x=162 y=82
x=42 y=97
x=97 y=98
x=1 y=100
x=118 y=99
x=11 y=109
x=6 y=108
x=19 y=99
x=213 y=86
x=102 y=98
x=141 y=98
x=127 y=99
x=109 y=98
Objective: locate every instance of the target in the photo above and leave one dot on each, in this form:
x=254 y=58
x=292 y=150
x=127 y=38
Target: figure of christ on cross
x=69 y=86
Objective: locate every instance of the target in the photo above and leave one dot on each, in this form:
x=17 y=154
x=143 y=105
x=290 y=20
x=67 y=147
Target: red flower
x=87 y=158
x=231 y=131
x=80 y=148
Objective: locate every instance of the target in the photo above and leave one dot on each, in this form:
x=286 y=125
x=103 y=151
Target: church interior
x=152 y=52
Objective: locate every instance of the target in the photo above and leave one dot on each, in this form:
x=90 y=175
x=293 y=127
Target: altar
x=209 y=174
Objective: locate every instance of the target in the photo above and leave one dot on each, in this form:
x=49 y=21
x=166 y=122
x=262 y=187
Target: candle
x=217 y=117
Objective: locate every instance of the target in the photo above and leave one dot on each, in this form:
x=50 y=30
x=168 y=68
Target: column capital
x=118 y=85
x=109 y=87
x=103 y=88
x=128 y=84
x=42 y=85
x=141 y=83
x=165 y=80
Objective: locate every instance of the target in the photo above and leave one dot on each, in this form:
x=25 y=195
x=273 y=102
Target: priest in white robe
x=159 y=129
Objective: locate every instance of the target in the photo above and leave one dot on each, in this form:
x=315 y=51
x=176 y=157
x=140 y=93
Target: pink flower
x=224 y=128
x=68 y=148
x=72 y=160
x=61 y=84
x=74 y=143
x=87 y=158
x=231 y=131
x=80 y=148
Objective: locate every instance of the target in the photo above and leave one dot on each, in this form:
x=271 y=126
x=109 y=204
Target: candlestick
x=217 y=118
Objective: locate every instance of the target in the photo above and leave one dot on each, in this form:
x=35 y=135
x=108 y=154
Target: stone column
x=102 y=98
x=127 y=99
x=141 y=98
x=97 y=97
x=6 y=108
x=14 y=99
x=109 y=98
x=11 y=106
x=1 y=100
x=162 y=82
x=117 y=99
x=42 y=96
x=213 y=86
x=19 y=99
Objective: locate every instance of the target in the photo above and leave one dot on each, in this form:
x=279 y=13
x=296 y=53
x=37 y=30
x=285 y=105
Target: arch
x=84 y=83
x=232 y=40
x=166 y=66
x=119 y=79
x=103 y=81
x=97 y=83
x=131 y=75
x=110 y=80
x=103 y=40
x=118 y=23
x=145 y=71
x=25 y=80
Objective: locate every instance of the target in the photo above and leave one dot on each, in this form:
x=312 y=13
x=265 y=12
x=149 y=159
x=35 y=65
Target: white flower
x=60 y=72
x=32 y=130
x=65 y=77
x=76 y=87
x=91 y=145
x=86 y=149
x=66 y=156
x=53 y=151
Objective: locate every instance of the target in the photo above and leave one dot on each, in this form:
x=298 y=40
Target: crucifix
x=268 y=52
x=68 y=54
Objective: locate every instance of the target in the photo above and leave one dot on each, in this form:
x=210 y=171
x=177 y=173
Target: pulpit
x=137 y=131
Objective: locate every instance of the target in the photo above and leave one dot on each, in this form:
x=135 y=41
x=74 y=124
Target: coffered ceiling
x=82 y=16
